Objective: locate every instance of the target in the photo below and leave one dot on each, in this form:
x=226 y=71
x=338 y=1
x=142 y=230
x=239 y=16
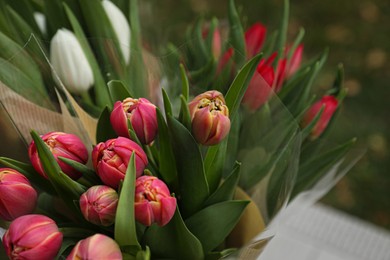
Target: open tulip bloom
x=156 y=158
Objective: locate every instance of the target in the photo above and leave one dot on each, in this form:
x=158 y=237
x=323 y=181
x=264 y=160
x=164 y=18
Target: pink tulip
x=110 y=160
x=224 y=60
x=142 y=115
x=254 y=39
x=210 y=118
x=153 y=202
x=32 y=237
x=17 y=196
x=330 y=104
x=295 y=62
x=96 y=247
x=98 y=205
x=216 y=44
x=64 y=145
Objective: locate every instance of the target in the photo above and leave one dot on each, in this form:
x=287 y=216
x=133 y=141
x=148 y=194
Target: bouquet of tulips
x=135 y=157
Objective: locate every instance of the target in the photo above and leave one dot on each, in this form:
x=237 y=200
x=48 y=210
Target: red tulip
x=210 y=118
x=64 y=145
x=142 y=115
x=32 y=237
x=254 y=39
x=17 y=196
x=153 y=201
x=329 y=105
x=98 y=205
x=111 y=158
x=295 y=62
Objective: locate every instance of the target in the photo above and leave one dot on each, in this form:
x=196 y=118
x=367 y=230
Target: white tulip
x=40 y=19
x=70 y=63
x=120 y=26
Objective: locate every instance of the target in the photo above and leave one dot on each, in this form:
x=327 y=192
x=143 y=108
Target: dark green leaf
x=194 y=189
x=87 y=173
x=104 y=129
x=167 y=103
x=281 y=42
x=219 y=218
x=185 y=117
x=227 y=189
x=118 y=91
x=173 y=240
x=125 y=231
x=236 y=35
x=214 y=164
x=185 y=89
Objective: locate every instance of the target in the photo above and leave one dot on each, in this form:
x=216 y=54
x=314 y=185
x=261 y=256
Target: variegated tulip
x=111 y=158
x=329 y=105
x=17 y=196
x=32 y=237
x=153 y=201
x=61 y=145
x=70 y=63
x=96 y=247
x=98 y=205
x=210 y=118
x=142 y=115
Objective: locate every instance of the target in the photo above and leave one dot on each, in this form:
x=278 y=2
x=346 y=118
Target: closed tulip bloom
x=329 y=105
x=70 y=63
x=111 y=158
x=295 y=62
x=17 y=196
x=254 y=39
x=121 y=27
x=98 y=205
x=142 y=115
x=96 y=247
x=153 y=201
x=210 y=118
x=32 y=237
x=61 y=145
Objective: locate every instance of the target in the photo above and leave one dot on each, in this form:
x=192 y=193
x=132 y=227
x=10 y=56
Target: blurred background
x=357 y=34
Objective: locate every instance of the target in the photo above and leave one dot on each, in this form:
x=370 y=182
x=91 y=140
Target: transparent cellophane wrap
x=269 y=148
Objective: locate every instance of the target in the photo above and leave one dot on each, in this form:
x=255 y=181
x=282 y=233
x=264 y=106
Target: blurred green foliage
x=357 y=34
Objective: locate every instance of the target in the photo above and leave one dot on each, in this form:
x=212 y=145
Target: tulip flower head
x=153 y=201
x=254 y=39
x=111 y=158
x=295 y=62
x=210 y=118
x=121 y=27
x=98 y=205
x=32 y=237
x=96 y=247
x=142 y=115
x=70 y=63
x=329 y=105
x=17 y=196
x=61 y=145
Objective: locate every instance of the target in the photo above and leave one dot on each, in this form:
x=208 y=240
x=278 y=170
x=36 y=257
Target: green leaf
x=30 y=173
x=227 y=189
x=185 y=117
x=185 y=87
x=221 y=254
x=167 y=163
x=167 y=103
x=173 y=240
x=236 y=34
x=25 y=10
x=104 y=129
x=214 y=164
x=281 y=42
x=194 y=189
x=55 y=15
x=125 y=231
x=297 y=41
x=87 y=173
x=238 y=88
x=118 y=91
x=312 y=170
x=101 y=91
x=212 y=224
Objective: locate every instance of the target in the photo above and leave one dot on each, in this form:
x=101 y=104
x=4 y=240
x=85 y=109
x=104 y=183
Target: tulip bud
x=96 y=247
x=210 y=118
x=111 y=158
x=32 y=237
x=330 y=104
x=254 y=39
x=98 y=205
x=142 y=115
x=121 y=27
x=295 y=62
x=153 y=202
x=61 y=145
x=17 y=196
x=70 y=63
